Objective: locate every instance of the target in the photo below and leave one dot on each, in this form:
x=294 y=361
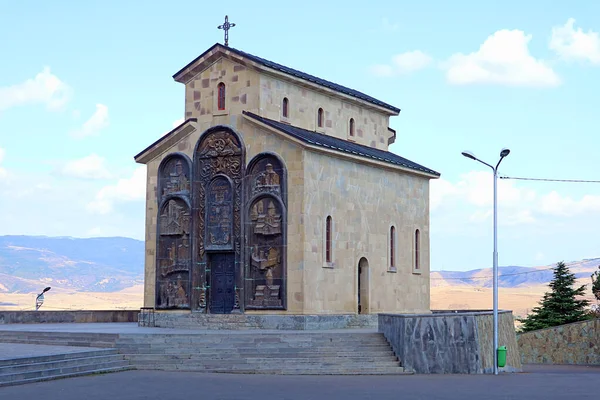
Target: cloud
x=503 y=59
x=3 y=172
x=555 y=204
x=90 y=167
x=472 y=194
x=404 y=63
x=575 y=45
x=125 y=190
x=44 y=88
x=97 y=122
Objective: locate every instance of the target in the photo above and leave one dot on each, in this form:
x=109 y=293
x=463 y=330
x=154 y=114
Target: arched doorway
x=363 y=286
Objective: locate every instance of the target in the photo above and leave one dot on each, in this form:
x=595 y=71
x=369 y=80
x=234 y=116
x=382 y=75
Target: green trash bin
x=501 y=356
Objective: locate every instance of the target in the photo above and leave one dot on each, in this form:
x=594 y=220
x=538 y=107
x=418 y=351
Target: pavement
x=544 y=383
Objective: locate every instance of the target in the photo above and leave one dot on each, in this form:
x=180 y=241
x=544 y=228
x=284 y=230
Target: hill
x=28 y=263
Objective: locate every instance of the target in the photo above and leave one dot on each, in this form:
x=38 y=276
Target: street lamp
x=39 y=300
x=503 y=154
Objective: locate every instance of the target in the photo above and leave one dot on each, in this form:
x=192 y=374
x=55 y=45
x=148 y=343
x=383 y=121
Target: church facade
x=278 y=195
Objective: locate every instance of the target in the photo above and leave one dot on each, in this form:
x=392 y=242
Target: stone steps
x=303 y=370
x=35 y=369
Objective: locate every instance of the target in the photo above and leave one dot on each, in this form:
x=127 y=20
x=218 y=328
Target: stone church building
x=278 y=195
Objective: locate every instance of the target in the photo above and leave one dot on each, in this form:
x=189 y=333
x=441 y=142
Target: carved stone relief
x=173 y=254
x=174 y=177
x=265 y=232
x=218 y=173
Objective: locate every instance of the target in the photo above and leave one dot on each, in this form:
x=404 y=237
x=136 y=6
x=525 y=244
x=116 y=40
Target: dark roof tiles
x=345 y=146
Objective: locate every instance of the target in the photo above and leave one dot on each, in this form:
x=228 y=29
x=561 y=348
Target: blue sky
x=85 y=86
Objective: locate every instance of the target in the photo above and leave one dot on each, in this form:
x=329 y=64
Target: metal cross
x=226 y=27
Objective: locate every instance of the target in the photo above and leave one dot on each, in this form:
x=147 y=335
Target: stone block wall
x=448 y=342
x=576 y=343
x=364 y=201
x=53 y=317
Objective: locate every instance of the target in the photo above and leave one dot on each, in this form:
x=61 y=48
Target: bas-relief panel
x=173 y=254
x=266 y=234
x=218 y=173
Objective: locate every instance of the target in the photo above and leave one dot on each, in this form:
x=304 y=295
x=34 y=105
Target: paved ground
x=132 y=327
x=9 y=351
x=545 y=383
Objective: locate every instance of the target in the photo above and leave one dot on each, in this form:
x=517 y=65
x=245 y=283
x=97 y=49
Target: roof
x=330 y=142
x=164 y=137
x=296 y=74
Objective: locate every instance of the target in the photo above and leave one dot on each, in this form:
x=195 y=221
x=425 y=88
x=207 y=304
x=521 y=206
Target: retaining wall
x=450 y=342
x=576 y=343
x=51 y=317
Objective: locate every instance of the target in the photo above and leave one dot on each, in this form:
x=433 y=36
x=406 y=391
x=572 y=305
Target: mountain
x=29 y=263
x=511 y=277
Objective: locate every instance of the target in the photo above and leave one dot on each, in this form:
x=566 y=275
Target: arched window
x=320 y=118
x=221 y=96
x=284 y=107
x=417 y=249
x=328 y=239
x=351 y=127
x=392 y=248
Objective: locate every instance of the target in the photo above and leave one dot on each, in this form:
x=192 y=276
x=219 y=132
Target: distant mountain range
x=29 y=263
x=511 y=277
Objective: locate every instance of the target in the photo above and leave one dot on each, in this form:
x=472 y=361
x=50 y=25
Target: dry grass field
x=520 y=300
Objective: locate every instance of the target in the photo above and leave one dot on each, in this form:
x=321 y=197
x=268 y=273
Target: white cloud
x=44 y=88
x=503 y=59
x=575 y=44
x=178 y=122
x=3 y=173
x=555 y=204
x=125 y=190
x=404 y=63
x=97 y=122
x=473 y=194
x=90 y=167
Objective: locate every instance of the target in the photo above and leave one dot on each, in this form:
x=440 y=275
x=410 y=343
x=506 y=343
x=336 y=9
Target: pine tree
x=596 y=284
x=558 y=306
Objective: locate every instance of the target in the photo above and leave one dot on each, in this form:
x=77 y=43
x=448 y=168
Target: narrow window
x=284 y=107
x=417 y=246
x=221 y=98
x=320 y=118
x=351 y=126
x=392 y=248
x=328 y=239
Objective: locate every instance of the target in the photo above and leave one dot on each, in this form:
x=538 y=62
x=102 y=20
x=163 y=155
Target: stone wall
x=447 y=342
x=364 y=202
x=256 y=321
x=576 y=343
x=52 y=317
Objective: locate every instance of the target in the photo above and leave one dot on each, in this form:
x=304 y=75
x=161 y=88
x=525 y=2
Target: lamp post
x=39 y=300
x=503 y=154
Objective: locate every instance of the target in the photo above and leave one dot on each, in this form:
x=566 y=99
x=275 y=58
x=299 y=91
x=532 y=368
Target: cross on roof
x=226 y=27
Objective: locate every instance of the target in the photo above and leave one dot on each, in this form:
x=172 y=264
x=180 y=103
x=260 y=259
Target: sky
x=84 y=86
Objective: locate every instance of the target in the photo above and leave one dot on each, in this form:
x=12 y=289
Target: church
x=278 y=195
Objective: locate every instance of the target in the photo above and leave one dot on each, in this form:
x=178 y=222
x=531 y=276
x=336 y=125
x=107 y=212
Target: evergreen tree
x=596 y=284
x=559 y=306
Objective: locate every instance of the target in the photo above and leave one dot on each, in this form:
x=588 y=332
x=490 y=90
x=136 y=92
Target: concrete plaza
x=539 y=382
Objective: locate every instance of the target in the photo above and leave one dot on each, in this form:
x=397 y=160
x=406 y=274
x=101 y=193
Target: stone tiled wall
x=241 y=91
x=576 y=343
x=364 y=201
x=371 y=126
x=506 y=337
x=443 y=342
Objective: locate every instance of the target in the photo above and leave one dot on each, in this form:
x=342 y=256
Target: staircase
x=322 y=353
x=42 y=368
